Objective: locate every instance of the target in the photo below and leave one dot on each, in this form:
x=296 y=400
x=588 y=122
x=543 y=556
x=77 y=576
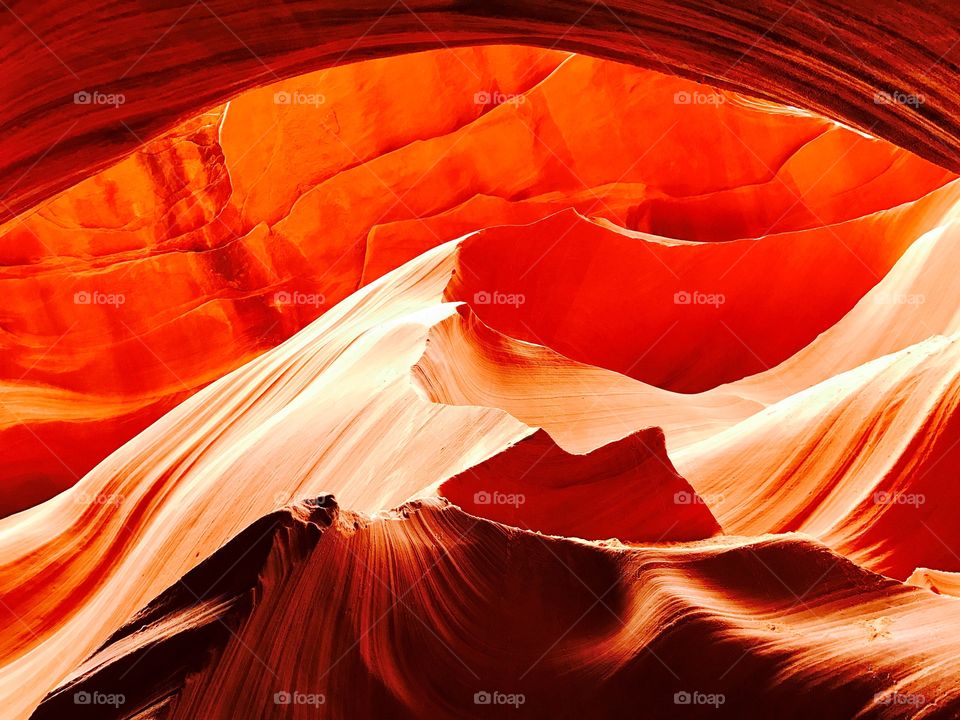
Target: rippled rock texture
x=486 y=382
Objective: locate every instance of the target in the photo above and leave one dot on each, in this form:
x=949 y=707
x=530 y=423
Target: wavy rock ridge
x=166 y=488
x=260 y=216
x=366 y=595
x=652 y=417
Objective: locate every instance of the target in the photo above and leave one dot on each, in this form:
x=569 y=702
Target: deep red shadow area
x=627 y=490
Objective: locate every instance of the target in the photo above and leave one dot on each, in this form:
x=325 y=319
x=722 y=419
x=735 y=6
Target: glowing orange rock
x=686 y=316
x=367 y=403
x=607 y=354
x=69 y=108
x=214 y=243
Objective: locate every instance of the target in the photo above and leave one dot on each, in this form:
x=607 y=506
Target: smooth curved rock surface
x=479 y=381
x=350 y=406
x=170 y=61
x=142 y=284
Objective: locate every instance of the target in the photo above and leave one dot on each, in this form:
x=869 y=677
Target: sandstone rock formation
x=488 y=381
x=140 y=285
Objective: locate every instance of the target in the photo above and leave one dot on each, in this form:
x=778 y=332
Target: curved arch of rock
x=413 y=385
x=174 y=60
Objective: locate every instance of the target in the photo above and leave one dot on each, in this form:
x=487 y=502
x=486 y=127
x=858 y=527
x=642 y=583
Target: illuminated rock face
x=216 y=242
x=70 y=108
x=489 y=374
